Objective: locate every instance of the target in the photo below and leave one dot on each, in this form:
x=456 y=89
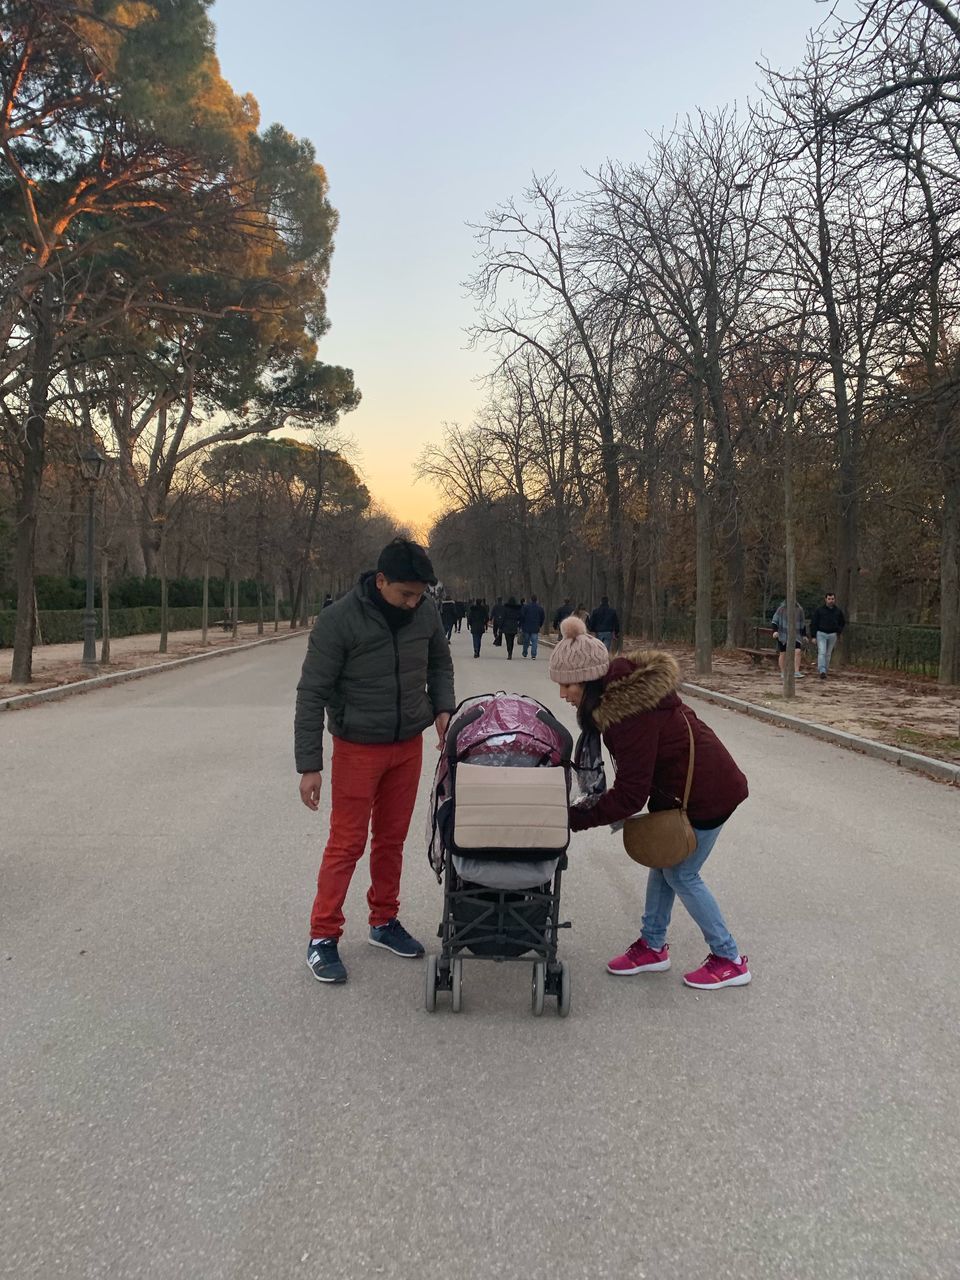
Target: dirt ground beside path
x=57 y=664
x=903 y=711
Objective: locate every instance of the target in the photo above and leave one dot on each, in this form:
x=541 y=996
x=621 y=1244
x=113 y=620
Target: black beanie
x=404 y=561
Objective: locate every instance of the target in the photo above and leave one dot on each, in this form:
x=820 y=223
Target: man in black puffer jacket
x=604 y=623
x=379 y=665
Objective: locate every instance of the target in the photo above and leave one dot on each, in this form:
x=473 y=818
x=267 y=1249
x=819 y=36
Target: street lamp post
x=92 y=467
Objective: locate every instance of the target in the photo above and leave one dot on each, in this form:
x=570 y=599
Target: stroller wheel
x=430 y=986
x=563 y=1000
x=456 y=974
x=539 y=987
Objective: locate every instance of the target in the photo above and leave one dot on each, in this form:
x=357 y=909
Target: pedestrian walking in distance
x=633 y=703
x=826 y=627
x=448 y=615
x=779 y=624
x=477 y=619
x=604 y=622
x=496 y=620
x=510 y=624
x=532 y=618
x=378 y=664
x=564 y=611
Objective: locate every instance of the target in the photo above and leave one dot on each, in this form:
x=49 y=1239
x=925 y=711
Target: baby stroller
x=497 y=839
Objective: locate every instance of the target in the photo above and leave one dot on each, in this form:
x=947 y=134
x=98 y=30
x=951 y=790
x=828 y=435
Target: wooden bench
x=225 y=624
x=757 y=655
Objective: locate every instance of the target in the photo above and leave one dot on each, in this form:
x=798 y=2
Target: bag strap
x=686 y=790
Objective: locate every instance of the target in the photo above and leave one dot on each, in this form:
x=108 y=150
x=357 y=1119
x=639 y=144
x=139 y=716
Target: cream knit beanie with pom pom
x=578 y=657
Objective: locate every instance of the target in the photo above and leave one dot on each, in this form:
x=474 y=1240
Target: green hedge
x=60 y=593
x=678 y=629
x=62 y=626
x=872 y=644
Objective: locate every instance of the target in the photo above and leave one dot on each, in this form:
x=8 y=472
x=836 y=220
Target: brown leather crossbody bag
x=664 y=838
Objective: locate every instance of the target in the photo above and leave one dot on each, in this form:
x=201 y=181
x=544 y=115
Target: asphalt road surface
x=179 y=1096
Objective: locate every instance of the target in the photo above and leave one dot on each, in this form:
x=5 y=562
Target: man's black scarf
x=395 y=616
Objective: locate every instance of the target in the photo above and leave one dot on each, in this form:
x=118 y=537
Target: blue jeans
x=607 y=638
x=477 y=637
x=530 y=641
x=683 y=882
x=826 y=642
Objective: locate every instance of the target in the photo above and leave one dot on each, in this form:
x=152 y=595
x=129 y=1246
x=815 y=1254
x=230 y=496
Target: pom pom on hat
x=578 y=657
x=572 y=627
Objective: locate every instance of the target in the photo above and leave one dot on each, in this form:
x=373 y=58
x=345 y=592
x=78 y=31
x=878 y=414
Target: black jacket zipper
x=396 y=676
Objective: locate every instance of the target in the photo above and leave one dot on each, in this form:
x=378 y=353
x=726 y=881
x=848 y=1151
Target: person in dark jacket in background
x=826 y=627
x=604 y=623
x=461 y=614
x=510 y=624
x=448 y=615
x=327 y=601
x=496 y=621
x=379 y=666
x=477 y=618
x=633 y=702
x=531 y=620
x=564 y=611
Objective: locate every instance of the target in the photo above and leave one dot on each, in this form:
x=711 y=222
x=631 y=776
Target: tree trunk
x=848 y=506
x=105 y=609
x=205 y=608
x=610 y=461
x=259 y=608
x=28 y=495
x=627 y=621
x=73 y=523
x=653 y=597
x=236 y=604
x=163 y=589
x=703 y=638
x=299 y=601
x=136 y=565
x=949 y=672
x=848 y=524
x=151 y=533
x=727 y=516
x=789 y=677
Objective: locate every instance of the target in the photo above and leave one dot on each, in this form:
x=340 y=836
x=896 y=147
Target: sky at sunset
x=427 y=114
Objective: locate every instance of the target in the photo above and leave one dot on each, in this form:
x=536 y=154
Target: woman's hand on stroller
x=441 y=722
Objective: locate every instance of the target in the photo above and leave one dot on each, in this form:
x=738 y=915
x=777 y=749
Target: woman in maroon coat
x=633 y=702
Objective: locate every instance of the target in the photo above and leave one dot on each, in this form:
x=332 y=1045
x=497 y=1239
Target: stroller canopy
x=505 y=730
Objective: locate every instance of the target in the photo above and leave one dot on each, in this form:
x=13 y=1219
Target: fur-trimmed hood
x=637 y=681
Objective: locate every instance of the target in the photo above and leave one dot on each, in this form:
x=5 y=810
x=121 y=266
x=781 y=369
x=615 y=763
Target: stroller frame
x=502 y=921
x=508 y=924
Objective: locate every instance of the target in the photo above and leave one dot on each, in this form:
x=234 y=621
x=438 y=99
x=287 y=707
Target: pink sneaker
x=639 y=958
x=717 y=972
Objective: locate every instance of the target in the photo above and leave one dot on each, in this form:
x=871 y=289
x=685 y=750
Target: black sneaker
x=395 y=938
x=324 y=961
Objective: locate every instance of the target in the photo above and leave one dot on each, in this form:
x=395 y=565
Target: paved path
x=180 y=1098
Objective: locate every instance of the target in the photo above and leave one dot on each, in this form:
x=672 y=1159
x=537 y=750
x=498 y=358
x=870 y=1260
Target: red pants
x=371 y=781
